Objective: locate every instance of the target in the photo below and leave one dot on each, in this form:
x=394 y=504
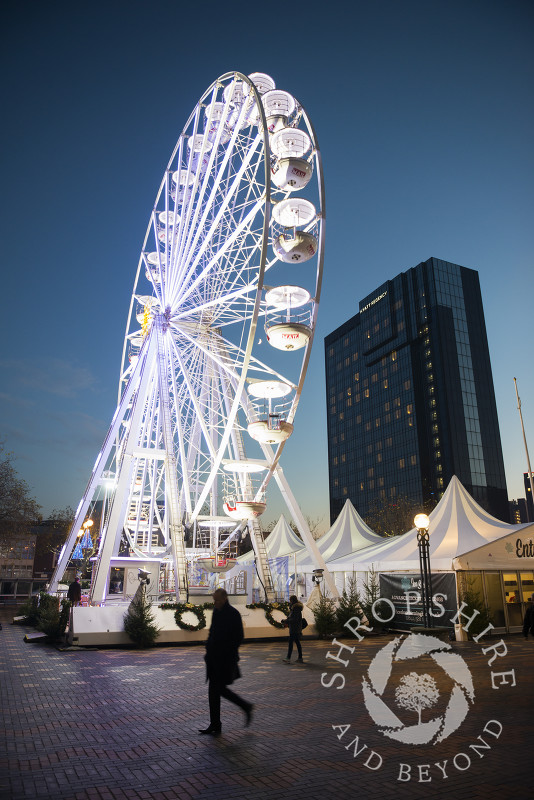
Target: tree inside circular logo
x=416 y=691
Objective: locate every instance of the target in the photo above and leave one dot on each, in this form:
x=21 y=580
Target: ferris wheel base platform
x=103 y=626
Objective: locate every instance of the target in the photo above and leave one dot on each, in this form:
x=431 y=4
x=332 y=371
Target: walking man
x=294 y=623
x=222 y=656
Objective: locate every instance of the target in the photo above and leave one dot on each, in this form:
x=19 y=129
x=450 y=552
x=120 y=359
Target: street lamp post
x=422 y=523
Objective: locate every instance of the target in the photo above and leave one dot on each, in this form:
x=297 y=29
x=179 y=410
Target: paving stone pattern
x=122 y=724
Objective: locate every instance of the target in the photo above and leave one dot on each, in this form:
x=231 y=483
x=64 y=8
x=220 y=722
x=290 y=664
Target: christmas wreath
x=269 y=608
x=181 y=608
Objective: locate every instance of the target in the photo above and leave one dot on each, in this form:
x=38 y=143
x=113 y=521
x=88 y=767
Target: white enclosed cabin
x=292 y=246
x=181 y=178
x=155 y=266
x=199 y=163
x=216 y=564
x=270 y=427
x=212 y=120
x=236 y=94
x=262 y=82
x=243 y=509
x=272 y=430
x=291 y=170
x=199 y=143
x=288 y=317
x=278 y=107
x=168 y=218
x=291 y=174
x=148 y=306
x=153 y=274
x=294 y=212
x=288 y=335
x=246 y=500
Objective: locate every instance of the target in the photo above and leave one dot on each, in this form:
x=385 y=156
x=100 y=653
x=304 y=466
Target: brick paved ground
x=120 y=724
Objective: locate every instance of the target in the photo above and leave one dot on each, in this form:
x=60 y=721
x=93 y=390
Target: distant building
x=49 y=541
x=17 y=551
x=518 y=511
x=528 y=495
x=410 y=398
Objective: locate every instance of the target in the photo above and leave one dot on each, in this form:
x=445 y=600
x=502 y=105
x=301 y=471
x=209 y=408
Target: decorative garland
x=284 y=607
x=181 y=608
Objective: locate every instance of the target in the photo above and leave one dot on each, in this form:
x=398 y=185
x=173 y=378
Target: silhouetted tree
x=395 y=516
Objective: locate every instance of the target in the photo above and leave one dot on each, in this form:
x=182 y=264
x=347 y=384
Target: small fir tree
x=371 y=593
x=349 y=605
x=325 y=616
x=52 y=617
x=474 y=602
x=139 y=621
x=29 y=610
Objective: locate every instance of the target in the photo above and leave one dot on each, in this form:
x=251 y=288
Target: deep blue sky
x=424 y=114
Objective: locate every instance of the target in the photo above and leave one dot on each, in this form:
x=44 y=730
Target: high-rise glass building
x=410 y=398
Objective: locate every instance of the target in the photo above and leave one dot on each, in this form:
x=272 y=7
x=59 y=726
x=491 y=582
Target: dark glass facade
x=410 y=399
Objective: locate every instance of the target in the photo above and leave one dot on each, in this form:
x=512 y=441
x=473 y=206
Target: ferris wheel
x=219 y=331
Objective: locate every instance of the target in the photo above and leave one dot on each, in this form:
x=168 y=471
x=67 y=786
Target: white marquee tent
x=348 y=534
x=282 y=541
x=457 y=525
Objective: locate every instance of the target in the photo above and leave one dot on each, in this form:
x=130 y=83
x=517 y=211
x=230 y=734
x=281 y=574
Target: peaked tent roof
x=348 y=534
x=281 y=541
x=457 y=525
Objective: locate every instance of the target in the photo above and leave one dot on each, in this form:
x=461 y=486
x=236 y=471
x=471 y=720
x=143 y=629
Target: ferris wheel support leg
x=302 y=525
x=92 y=486
x=118 y=506
x=171 y=475
x=113 y=533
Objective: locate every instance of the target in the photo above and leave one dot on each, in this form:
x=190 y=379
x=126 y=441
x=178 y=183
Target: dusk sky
x=425 y=119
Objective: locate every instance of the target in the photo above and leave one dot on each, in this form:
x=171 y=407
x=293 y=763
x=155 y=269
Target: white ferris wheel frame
x=182 y=392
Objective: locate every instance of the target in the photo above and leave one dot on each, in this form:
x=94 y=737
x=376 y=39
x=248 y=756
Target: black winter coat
x=222 y=646
x=294 y=620
x=75 y=592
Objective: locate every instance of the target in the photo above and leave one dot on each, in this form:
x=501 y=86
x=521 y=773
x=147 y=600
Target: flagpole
x=526 y=448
